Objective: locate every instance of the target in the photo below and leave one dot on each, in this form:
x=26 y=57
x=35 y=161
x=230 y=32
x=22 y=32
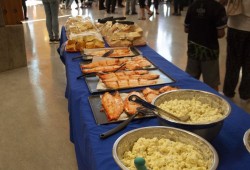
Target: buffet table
x=94 y=153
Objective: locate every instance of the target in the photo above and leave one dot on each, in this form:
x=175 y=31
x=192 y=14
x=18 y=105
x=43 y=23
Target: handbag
x=234 y=7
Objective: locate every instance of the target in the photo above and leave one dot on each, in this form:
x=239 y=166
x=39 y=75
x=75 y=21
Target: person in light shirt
x=238 y=54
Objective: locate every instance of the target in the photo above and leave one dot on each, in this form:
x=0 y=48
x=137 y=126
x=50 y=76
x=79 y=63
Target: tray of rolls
x=111 y=107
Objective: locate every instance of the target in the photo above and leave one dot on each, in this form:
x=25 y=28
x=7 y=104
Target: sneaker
x=150 y=14
x=51 y=41
x=56 y=41
x=134 y=13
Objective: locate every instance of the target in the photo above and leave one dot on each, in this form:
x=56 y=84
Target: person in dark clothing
x=24 y=9
x=238 y=54
x=101 y=5
x=156 y=4
x=119 y=2
x=77 y=4
x=205 y=23
x=178 y=7
x=110 y=5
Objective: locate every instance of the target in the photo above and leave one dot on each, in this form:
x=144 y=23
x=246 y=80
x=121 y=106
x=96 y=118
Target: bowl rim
x=245 y=140
x=119 y=162
x=194 y=124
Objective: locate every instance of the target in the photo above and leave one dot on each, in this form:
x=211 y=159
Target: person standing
x=101 y=5
x=110 y=6
x=178 y=6
x=24 y=9
x=143 y=6
x=77 y=4
x=51 y=11
x=68 y=4
x=130 y=5
x=156 y=4
x=119 y=2
x=238 y=53
x=205 y=22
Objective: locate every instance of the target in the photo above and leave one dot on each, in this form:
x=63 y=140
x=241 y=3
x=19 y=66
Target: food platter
x=102 y=116
x=89 y=54
x=95 y=85
x=101 y=64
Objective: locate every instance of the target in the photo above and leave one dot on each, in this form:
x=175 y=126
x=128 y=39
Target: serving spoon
x=158 y=111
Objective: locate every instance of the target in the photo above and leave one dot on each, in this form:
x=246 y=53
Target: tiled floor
x=34 y=125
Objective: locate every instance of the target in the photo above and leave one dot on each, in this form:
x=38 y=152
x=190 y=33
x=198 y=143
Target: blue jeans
x=51 y=10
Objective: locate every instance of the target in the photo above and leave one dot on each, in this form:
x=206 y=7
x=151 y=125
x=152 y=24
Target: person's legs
x=149 y=3
x=211 y=73
x=128 y=5
x=233 y=63
x=113 y=4
x=48 y=19
x=133 y=3
x=108 y=5
x=101 y=5
x=156 y=5
x=55 y=24
x=193 y=68
x=24 y=9
x=77 y=4
x=150 y=13
x=120 y=3
x=244 y=89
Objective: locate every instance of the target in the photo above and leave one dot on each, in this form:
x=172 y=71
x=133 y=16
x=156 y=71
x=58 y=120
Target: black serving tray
x=101 y=118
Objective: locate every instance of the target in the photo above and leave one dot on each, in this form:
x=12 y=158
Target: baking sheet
x=101 y=118
x=134 y=52
x=93 y=82
x=152 y=67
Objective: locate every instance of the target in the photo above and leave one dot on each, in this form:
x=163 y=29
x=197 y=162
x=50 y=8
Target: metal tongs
x=140 y=111
x=106 y=54
x=82 y=56
x=158 y=111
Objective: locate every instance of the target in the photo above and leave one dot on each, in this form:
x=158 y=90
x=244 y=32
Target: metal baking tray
x=152 y=67
x=92 y=82
x=134 y=52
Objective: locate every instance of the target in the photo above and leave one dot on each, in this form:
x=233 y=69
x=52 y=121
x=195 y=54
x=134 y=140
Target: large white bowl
x=126 y=141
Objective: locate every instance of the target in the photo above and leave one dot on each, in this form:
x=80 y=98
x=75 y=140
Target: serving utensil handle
x=118 y=127
x=158 y=111
x=137 y=99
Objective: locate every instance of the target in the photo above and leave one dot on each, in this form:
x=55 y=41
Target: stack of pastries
x=81 y=34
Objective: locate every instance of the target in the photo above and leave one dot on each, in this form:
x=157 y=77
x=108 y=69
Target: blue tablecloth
x=94 y=153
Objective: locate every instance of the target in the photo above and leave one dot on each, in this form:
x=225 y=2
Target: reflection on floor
x=33 y=110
